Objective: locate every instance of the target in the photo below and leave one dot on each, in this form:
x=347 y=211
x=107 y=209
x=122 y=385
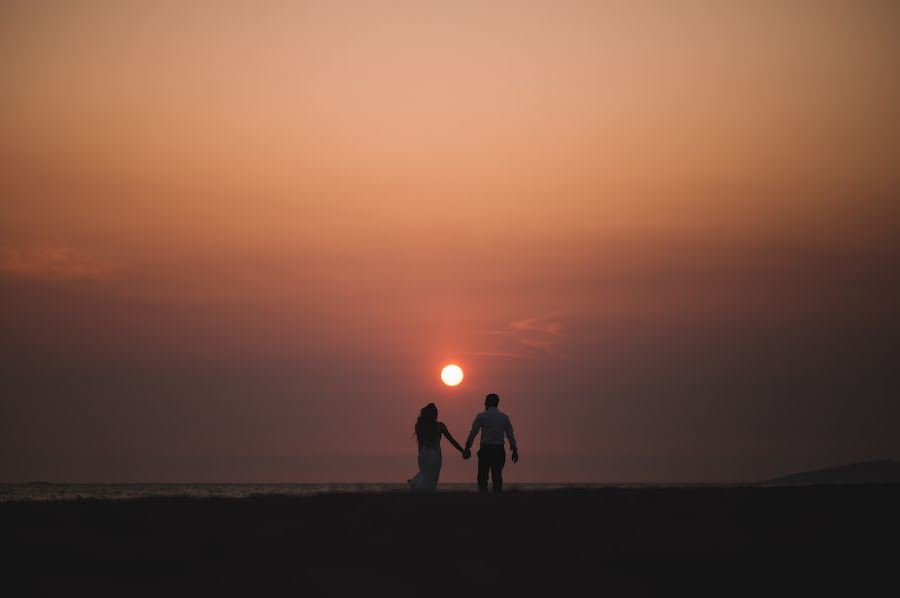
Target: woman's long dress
x=430 y=460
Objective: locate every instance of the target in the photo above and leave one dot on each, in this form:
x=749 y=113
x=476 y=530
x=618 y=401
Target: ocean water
x=45 y=491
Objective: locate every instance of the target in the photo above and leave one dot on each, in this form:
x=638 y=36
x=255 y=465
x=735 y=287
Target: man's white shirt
x=493 y=424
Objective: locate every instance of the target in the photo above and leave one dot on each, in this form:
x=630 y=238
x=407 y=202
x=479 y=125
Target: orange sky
x=238 y=240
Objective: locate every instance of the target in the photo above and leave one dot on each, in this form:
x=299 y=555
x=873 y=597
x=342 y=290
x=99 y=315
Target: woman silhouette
x=428 y=434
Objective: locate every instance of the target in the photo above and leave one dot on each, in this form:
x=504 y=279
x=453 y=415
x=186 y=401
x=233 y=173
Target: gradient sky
x=238 y=240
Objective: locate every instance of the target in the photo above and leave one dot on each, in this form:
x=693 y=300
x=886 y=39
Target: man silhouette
x=492 y=424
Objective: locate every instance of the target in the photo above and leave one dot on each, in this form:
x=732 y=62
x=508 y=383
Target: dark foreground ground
x=730 y=541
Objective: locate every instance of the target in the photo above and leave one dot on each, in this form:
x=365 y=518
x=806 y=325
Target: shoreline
x=123 y=491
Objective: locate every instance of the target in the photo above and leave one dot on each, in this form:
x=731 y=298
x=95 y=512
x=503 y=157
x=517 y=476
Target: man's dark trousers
x=491 y=458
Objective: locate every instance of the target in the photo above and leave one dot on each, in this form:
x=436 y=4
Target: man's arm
x=512 y=440
x=476 y=426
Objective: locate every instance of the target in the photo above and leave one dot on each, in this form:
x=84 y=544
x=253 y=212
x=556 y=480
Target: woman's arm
x=446 y=433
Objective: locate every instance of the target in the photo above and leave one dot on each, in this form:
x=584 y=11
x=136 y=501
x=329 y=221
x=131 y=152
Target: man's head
x=492 y=400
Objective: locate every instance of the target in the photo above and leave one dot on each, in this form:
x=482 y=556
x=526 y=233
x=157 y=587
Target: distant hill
x=870 y=472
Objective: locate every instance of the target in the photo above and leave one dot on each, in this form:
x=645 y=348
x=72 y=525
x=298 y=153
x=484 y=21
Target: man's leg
x=497 y=464
x=484 y=466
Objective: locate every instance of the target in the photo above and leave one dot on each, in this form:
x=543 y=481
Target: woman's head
x=429 y=411
x=426 y=430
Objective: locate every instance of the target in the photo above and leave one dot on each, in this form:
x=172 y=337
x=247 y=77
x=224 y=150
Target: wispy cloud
x=528 y=336
x=545 y=325
x=53 y=262
x=494 y=354
x=538 y=333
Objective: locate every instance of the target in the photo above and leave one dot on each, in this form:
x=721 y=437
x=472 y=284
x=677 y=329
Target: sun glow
x=451 y=375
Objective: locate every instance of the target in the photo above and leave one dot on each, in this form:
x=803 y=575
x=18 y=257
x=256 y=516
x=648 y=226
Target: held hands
x=467 y=453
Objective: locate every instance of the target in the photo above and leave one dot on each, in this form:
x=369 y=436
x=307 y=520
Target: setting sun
x=451 y=375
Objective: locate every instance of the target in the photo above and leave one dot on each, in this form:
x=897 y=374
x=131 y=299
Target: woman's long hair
x=427 y=426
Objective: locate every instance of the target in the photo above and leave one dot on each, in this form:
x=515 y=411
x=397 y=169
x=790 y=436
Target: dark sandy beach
x=731 y=541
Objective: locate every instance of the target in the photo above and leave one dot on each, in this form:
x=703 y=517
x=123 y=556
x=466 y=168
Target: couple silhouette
x=493 y=426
